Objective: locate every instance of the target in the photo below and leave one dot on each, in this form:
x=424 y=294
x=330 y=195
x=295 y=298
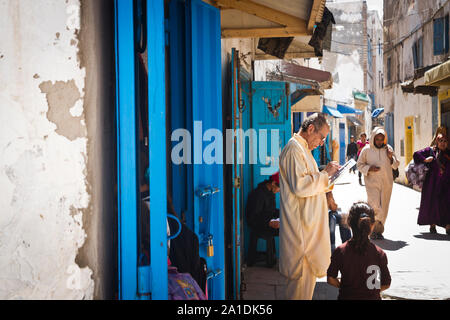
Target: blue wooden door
x=271 y=118
x=205 y=101
x=196 y=107
x=342 y=143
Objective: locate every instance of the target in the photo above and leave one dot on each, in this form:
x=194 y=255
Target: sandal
x=433 y=229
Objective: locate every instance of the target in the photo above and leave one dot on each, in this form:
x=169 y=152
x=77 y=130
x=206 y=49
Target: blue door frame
x=149 y=281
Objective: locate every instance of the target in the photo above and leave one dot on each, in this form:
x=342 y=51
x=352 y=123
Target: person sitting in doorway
x=263 y=217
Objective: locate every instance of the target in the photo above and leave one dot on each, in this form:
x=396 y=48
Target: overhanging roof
x=308 y=104
x=439 y=75
x=272 y=19
x=418 y=84
x=354 y=120
x=291 y=72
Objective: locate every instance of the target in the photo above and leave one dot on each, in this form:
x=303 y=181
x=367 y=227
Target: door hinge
x=144 y=282
x=237 y=182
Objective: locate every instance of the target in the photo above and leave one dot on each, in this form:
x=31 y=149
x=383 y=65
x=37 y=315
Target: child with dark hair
x=363 y=265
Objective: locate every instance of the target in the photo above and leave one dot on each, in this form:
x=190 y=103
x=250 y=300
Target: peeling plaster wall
x=44 y=160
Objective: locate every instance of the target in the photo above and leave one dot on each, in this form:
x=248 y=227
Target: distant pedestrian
x=376 y=162
x=363 y=265
x=352 y=152
x=361 y=143
x=435 y=200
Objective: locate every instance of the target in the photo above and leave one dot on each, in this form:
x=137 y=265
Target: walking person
x=352 y=152
x=435 y=200
x=363 y=265
x=376 y=162
x=361 y=143
x=304 y=231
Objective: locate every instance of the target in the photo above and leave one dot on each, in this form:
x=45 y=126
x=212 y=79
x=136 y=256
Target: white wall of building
x=50 y=124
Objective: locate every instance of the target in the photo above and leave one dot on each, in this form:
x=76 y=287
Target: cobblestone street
x=419 y=262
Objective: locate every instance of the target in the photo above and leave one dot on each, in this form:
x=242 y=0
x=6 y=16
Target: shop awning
x=308 y=104
x=377 y=112
x=347 y=109
x=360 y=96
x=439 y=75
x=354 y=120
x=332 y=112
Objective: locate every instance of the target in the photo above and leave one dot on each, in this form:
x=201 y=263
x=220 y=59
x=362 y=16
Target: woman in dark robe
x=435 y=201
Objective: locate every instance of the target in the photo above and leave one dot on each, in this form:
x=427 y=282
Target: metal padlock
x=210 y=248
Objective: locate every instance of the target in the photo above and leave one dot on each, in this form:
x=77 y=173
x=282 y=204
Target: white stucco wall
x=407 y=105
x=43 y=152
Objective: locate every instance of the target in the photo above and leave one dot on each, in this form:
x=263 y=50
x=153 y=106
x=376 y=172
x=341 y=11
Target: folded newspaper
x=347 y=166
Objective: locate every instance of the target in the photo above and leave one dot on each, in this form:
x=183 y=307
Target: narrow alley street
x=419 y=262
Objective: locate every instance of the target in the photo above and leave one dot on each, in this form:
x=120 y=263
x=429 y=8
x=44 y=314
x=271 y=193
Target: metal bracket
x=144 y=282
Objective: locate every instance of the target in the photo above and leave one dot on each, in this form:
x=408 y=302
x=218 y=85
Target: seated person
x=336 y=217
x=262 y=215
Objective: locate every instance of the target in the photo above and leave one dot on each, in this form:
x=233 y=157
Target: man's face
x=363 y=138
x=379 y=140
x=352 y=139
x=317 y=137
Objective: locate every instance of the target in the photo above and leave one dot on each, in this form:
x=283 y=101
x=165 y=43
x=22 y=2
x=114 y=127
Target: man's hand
x=374 y=169
x=274 y=224
x=332 y=168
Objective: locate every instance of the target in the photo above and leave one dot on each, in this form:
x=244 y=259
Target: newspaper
x=347 y=166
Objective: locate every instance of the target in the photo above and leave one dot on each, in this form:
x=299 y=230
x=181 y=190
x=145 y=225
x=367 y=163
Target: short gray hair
x=318 y=120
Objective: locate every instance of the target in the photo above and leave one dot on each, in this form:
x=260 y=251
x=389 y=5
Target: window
x=369 y=52
x=388 y=68
x=440 y=35
x=417 y=51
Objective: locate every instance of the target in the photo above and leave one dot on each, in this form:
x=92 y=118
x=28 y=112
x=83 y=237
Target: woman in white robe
x=379 y=182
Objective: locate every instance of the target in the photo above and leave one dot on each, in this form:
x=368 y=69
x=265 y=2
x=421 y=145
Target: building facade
x=416 y=37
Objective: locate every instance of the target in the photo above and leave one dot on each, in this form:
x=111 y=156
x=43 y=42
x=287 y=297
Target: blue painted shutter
x=438 y=36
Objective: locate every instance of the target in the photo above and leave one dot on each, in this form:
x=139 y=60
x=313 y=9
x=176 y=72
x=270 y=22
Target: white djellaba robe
x=304 y=229
x=378 y=184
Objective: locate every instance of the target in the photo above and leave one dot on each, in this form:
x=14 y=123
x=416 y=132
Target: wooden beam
x=287 y=56
x=315 y=10
x=264 y=12
x=264 y=32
